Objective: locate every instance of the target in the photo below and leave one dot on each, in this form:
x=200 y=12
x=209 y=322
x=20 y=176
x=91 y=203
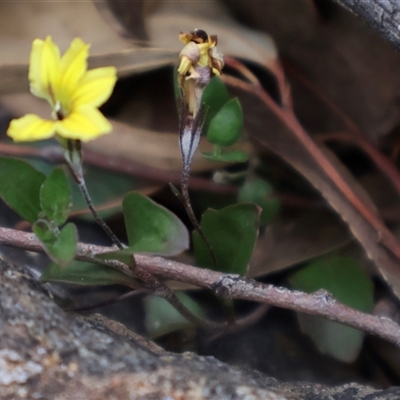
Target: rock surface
x=46 y=353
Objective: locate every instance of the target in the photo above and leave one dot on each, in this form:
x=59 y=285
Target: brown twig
x=320 y=303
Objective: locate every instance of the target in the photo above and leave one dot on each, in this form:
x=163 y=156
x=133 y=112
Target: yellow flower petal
x=84 y=123
x=30 y=128
x=185 y=37
x=95 y=87
x=204 y=57
x=44 y=68
x=184 y=65
x=73 y=66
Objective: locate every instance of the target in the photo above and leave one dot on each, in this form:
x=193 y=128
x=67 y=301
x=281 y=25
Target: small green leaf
x=152 y=228
x=81 y=273
x=20 y=187
x=46 y=231
x=237 y=156
x=339 y=341
x=232 y=233
x=260 y=192
x=162 y=318
x=215 y=96
x=349 y=284
x=226 y=127
x=60 y=248
x=55 y=196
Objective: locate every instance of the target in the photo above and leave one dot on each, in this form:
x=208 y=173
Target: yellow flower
x=73 y=92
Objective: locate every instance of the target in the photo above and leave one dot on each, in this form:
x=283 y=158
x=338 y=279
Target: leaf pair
x=151 y=228
x=55 y=203
x=43 y=201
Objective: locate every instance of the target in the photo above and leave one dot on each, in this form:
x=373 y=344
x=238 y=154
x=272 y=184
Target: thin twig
x=320 y=303
x=122 y=330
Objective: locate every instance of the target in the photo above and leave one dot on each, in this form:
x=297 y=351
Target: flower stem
x=73 y=158
x=189 y=211
x=99 y=220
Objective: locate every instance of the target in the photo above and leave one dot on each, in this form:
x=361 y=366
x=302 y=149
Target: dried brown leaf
x=14 y=77
x=286 y=243
x=125 y=17
x=20 y=25
x=348 y=61
x=233 y=39
x=163 y=20
x=142 y=146
x=285 y=137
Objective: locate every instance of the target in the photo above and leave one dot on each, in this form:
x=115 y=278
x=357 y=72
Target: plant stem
x=73 y=158
x=99 y=220
x=189 y=210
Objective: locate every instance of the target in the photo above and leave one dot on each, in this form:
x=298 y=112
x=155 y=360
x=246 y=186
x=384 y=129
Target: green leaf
x=232 y=233
x=20 y=187
x=226 y=127
x=215 y=96
x=46 y=231
x=152 y=228
x=59 y=246
x=349 y=284
x=331 y=338
x=237 y=156
x=260 y=192
x=82 y=273
x=55 y=196
x=342 y=276
x=162 y=318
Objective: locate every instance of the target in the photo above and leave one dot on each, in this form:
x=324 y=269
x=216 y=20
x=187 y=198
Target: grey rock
x=46 y=353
